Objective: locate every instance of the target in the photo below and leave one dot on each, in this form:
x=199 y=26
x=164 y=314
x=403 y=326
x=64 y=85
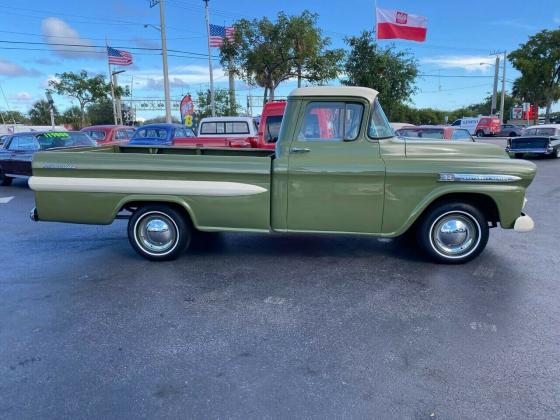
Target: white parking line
x=6 y=200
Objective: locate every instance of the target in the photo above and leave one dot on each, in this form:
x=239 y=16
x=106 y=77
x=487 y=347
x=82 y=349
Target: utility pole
x=503 y=98
x=495 y=90
x=111 y=81
x=118 y=119
x=164 y=58
x=212 y=96
x=51 y=107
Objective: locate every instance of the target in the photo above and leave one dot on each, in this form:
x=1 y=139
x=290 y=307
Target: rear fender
x=138 y=199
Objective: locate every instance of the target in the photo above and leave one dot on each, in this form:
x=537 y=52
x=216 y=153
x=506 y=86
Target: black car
x=538 y=139
x=18 y=149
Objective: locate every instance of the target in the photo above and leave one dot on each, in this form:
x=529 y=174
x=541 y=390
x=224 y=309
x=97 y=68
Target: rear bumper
x=538 y=151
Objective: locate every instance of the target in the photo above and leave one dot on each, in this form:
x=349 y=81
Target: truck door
x=336 y=175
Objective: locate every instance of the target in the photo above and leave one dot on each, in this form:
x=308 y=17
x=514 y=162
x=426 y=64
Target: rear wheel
x=159 y=232
x=5 y=180
x=518 y=155
x=480 y=133
x=513 y=134
x=453 y=233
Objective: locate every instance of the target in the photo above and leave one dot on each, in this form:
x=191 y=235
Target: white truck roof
x=367 y=93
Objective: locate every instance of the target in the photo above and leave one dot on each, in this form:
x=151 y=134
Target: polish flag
x=394 y=24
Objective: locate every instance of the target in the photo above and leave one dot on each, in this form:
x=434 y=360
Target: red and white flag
x=394 y=24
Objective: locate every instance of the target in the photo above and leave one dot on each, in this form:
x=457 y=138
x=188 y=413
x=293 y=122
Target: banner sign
x=187 y=111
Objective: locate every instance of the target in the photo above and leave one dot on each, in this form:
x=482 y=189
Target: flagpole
x=111 y=81
x=375 y=24
x=212 y=105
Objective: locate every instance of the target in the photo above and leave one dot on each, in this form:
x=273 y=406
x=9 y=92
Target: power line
x=56 y=44
x=97 y=39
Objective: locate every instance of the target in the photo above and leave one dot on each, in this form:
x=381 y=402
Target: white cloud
x=45 y=83
x=515 y=23
x=56 y=31
x=179 y=76
x=7 y=68
x=21 y=97
x=469 y=63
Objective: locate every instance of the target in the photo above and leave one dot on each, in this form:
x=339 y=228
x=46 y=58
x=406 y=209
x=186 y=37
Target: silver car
x=510 y=130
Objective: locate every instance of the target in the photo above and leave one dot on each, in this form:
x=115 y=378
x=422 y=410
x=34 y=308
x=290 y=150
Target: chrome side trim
x=450 y=177
x=144 y=186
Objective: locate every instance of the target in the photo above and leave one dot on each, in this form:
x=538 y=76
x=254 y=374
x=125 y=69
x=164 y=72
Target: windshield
x=379 y=126
x=152 y=133
x=64 y=139
x=540 y=132
x=95 y=134
x=427 y=133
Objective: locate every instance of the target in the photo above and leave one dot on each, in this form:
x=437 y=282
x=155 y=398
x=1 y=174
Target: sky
x=455 y=63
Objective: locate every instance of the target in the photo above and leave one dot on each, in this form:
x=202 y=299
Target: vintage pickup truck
x=350 y=175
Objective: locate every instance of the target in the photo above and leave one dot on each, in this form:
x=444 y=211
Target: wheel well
x=481 y=201
x=132 y=206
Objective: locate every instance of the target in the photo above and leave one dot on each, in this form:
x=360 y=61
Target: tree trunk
x=547 y=114
x=536 y=115
x=271 y=94
x=299 y=77
x=82 y=109
x=265 y=94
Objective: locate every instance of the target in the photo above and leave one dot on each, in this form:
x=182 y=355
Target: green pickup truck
x=337 y=168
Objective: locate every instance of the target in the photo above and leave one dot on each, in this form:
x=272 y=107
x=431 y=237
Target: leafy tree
x=40 y=113
x=10 y=117
x=538 y=60
x=84 y=88
x=390 y=72
x=101 y=112
x=73 y=117
x=311 y=60
x=265 y=53
x=221 y=102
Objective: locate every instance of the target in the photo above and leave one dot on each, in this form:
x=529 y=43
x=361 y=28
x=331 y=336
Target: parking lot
x=283 y=326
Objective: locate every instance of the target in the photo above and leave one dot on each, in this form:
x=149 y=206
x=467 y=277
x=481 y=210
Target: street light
x=50 y=100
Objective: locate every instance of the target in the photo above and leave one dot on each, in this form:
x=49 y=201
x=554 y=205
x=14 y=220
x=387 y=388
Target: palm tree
x=40 y=113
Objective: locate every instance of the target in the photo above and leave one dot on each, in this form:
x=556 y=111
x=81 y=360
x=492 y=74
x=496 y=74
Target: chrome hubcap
x=156 y=233
x=454 y=234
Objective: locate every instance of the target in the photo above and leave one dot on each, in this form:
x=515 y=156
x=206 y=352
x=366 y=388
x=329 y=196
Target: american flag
x=119 y=57
x=218 y=33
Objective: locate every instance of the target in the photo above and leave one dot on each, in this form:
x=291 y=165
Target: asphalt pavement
x=249 y=326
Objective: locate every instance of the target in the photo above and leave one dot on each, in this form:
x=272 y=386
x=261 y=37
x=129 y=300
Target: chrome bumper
x=524 y=223
x=33 y=214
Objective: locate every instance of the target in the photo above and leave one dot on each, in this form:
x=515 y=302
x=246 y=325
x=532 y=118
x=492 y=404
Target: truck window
x=379 y=127
x=227 y=127
x=335 y=121
x=461 y=135
x=272 y=125
x=456 y=123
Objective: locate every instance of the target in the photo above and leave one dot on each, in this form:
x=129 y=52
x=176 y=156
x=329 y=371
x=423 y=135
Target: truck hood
x=452 y=149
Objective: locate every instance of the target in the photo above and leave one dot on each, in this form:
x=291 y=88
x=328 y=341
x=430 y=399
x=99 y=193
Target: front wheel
x=453 y=233
x=518 y=155
x=159 y=232
x=480 y=133
x=556 y=153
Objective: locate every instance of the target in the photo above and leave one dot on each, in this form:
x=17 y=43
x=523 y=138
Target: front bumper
x=524 y=223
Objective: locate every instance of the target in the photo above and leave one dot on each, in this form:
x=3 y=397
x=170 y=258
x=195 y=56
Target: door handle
x=299 y=150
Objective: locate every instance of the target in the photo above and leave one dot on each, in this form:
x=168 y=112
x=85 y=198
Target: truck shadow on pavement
x=303 y=245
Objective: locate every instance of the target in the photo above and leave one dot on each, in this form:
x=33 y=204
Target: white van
x=479 y=126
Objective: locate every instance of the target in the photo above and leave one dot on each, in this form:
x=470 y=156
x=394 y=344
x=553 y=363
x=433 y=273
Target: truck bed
x=221 y=189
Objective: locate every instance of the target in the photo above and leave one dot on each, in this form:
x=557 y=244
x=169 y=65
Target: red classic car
x=109 y=134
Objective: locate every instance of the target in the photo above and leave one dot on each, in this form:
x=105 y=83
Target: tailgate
x=220 y=191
